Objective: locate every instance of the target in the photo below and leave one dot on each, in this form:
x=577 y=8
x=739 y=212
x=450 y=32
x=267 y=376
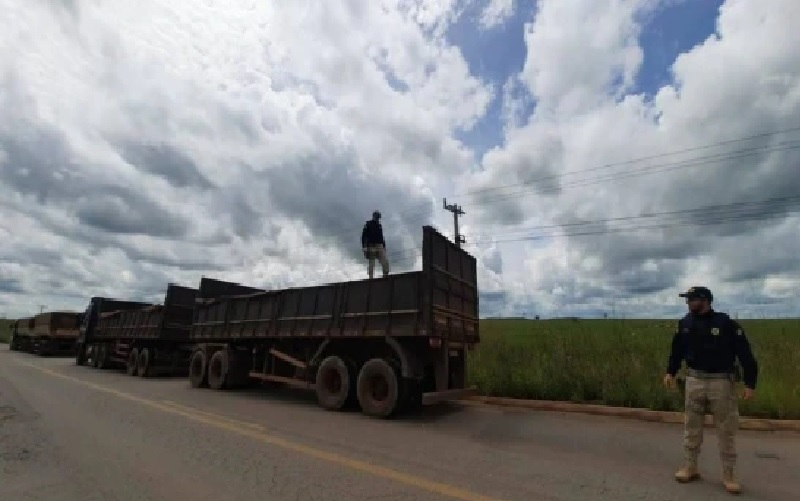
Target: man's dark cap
x=697 y=292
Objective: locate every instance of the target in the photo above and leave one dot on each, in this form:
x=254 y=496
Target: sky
x=607 y=154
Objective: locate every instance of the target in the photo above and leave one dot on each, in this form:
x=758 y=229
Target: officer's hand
x=748 y=393
x=669 y=381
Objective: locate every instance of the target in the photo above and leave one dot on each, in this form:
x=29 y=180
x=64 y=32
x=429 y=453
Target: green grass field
x=5 y=330
x=622 y=362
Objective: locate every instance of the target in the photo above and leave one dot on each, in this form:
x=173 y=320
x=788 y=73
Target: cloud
x=586 y=116
x=496 y=12
x=158 y=142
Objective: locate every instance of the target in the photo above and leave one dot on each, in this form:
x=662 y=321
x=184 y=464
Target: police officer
x=374 y=245
x=710 y=342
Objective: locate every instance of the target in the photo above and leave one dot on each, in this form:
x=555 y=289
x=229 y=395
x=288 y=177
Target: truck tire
x=334 y=383
x=218 y=367
x=100 y=356
x=133 y=359
x=80 y=354
x=43 y=348
x=378 y=388
x=198 y=372
x=144 y=363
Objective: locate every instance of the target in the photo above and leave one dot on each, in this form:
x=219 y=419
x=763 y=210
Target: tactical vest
x=710 y=338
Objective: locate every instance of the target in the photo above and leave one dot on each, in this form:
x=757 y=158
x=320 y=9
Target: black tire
x=144 y=363
x=198 y=372
x=133 y=361
x=218 y=367
x=378 y=389
x=99 y=355
x=80 y=354
x=334 y=383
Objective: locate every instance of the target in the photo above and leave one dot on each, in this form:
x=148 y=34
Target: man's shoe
x=729 y=481
x=687 y=473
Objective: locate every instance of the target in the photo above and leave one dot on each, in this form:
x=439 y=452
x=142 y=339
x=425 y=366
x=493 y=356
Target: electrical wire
x=421 y=216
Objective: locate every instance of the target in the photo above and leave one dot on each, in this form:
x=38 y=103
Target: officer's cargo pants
x=377 y=251
x=715 y=393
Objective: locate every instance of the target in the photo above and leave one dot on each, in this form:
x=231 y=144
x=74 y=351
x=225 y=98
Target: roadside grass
x=5 y=330
x=622 y=363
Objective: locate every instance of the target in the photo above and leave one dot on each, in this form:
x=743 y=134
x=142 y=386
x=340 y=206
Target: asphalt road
x=74 y=433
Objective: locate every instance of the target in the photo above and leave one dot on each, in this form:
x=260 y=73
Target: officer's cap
x=697 y=292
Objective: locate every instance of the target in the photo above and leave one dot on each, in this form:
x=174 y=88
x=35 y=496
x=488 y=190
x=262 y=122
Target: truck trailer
x=384 y=344
x=143 y=338
x=48 y=333
x=22 y=335
x=56 y=332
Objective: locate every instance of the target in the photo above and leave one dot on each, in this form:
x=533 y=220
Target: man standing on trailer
x=374 y=245
x=710 y=342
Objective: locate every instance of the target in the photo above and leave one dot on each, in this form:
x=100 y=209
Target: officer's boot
x=688 y=472
x=729 y=480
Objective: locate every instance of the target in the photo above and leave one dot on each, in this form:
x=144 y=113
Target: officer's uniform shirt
x=711 y=343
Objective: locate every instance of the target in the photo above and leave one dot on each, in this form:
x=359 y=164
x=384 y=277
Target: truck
x=145 y=339
x=56 y=332
x=384 y=344
x=22 y=335
x=48 y=333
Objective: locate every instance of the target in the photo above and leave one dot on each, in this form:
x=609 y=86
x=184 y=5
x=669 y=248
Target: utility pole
x=456 y=210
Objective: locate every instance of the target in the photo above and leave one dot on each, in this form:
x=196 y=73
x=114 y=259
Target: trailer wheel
x=133 y=359
x=197 y=370
x=43 y=348
x=218 y=370
x=143 y=368
x=378 y=388
x=100 y=356
x=80 y=354
x=334 y=383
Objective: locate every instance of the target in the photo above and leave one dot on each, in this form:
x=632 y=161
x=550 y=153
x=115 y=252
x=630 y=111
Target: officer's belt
x=709 y=375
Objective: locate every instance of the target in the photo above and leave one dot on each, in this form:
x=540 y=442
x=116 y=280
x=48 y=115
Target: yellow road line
x=212 y=415
x=245 y=429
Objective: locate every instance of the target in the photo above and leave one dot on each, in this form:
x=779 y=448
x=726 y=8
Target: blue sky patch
x=672 y=30
x=498 y=54
x=494 y=54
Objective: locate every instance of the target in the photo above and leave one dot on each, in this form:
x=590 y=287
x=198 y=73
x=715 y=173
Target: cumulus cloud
x=740 y=82
x=157 y=142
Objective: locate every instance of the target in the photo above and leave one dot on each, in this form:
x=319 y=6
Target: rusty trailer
x=383 y=344
x=48 y=333
x=22 y=335
x=143 y=338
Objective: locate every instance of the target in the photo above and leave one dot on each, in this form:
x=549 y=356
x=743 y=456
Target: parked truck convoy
x=49 y=333
x=383 y=344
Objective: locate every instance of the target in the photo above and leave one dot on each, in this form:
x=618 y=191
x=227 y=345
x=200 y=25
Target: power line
x=705 y=215
x=636 y=160
x=787 y=145
x=707 y=211
x=694 y=162
x=718 y=219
